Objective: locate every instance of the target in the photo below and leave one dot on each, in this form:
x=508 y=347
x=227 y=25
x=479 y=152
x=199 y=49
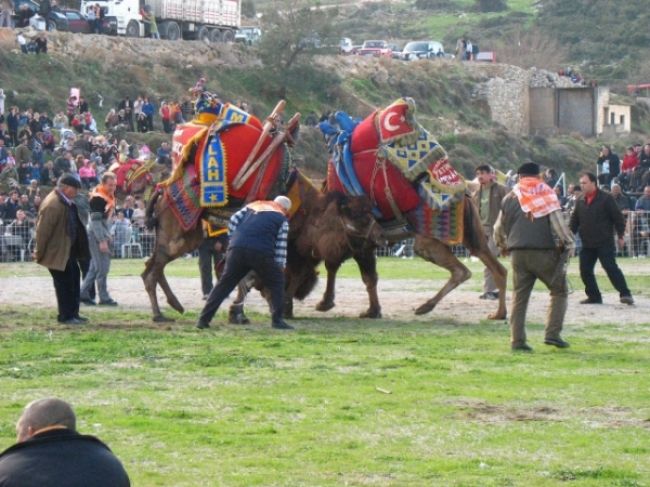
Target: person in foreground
x=258 y=241
x=50 y=453
x=596 y=216
x=61 y=241
x=530 y=227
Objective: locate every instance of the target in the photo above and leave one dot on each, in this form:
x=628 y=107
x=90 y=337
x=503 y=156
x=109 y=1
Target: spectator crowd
x=37 y=147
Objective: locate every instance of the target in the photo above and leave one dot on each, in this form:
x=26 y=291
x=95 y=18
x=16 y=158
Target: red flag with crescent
x=394 y=122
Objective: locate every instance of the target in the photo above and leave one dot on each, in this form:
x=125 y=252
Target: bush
x=491 y=5
x=435 y=4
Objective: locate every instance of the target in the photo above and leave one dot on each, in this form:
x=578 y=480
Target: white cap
x=284 y=202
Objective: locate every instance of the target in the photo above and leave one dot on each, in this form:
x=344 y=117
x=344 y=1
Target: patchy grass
x=339 y=401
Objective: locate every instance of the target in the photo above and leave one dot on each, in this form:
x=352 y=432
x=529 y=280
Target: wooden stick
x=266 y=155
x=269 y=123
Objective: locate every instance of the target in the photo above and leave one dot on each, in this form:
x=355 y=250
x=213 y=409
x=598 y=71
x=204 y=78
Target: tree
x=532 y=47
x=248 y=9
x=292 y=31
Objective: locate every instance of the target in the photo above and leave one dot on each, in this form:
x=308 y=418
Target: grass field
x=340 y=401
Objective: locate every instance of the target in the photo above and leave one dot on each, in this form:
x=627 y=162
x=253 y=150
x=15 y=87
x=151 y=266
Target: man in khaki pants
x=487 y=198
x=531 y=228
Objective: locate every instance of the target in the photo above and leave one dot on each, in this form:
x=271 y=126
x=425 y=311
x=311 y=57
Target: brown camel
x=362 y=250
x=327 y=227
x=348 y=217
x=395 y=161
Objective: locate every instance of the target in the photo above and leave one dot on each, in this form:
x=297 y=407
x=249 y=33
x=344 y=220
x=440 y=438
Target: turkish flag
x=393 y=122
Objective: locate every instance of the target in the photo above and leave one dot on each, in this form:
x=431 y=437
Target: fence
x=17 y=248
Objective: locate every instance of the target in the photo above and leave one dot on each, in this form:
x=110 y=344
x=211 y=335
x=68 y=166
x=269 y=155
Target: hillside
x=449 y=97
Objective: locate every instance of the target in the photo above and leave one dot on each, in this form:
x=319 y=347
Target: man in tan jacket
x=487 y=198
x=60 y=241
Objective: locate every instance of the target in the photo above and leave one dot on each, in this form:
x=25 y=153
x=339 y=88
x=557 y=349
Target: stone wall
x=507 y=90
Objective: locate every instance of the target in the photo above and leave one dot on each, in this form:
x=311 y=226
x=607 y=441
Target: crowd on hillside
x=37 y=148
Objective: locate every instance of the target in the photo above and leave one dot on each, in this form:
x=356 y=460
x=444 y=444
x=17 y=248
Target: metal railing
x=16 y=248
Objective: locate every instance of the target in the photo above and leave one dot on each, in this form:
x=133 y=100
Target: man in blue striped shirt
x=258 y=241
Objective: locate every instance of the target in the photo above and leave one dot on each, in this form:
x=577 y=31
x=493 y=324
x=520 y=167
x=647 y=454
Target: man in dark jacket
x=258 y=241
x=50 y=453
x=595 y=217
x=530 y=227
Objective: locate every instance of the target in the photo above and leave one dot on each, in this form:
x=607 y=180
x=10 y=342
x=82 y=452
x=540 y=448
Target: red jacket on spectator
x=630 y=161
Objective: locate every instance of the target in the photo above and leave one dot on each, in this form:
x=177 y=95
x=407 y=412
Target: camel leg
x=500 y=275
x=367 y=263
x=476 y=242
x=438 y=253
x=327 y=301
x=154 y=268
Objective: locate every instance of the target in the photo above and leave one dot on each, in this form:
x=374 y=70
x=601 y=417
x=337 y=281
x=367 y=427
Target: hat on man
x=528 y=169
x=284 y=202
x=69 y=180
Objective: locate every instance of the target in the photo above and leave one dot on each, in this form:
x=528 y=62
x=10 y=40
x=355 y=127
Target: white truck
x=206 y=20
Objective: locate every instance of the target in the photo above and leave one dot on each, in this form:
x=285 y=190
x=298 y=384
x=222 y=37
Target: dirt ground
x=398 y=299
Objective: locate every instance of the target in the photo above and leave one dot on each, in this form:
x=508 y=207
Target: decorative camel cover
x=391 y=158
x=220 y=158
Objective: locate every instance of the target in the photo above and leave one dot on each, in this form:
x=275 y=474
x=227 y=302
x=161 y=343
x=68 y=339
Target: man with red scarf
x=530 y=227
x=102 y=206
x=596 y=217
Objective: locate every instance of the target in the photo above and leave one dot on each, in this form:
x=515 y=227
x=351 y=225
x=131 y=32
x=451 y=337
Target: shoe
x=281 y=325
x=627 y=300
x=201 y=325
x=71 y=321
x=591 y=301
x=81 y=318
x=88 y=301
x=522 y=348
x=491 y=295
x=557 y=342
x=110 y=302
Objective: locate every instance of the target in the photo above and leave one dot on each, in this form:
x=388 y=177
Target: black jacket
x=596 y=222
x=61 y=458
x=614 y=164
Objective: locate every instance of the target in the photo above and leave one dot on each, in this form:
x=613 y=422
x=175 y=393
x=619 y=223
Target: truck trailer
x=206 y=20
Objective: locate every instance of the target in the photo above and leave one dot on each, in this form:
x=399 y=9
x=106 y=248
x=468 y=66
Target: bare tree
x=532 y=47
x=293 y=29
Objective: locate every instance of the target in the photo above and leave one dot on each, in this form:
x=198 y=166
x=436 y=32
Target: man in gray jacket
x=102 y=206
x=531 y=228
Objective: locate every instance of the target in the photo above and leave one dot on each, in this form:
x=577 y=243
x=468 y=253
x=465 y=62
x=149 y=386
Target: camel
x=432 y=250
x=329 y=227
x=392 y=159
x=255 y=154
x=348 y=218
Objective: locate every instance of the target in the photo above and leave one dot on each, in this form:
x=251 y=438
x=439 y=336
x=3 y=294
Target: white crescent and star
x=388 y=125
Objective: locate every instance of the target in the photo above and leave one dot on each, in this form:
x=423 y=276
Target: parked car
x=422 y=50
x=27 y=13
x=248 y=35
x=346 y=46
x=395 y=51
x=375 y=48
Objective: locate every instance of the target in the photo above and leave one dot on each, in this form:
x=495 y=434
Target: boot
x=236 y=315
x=281 y=325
